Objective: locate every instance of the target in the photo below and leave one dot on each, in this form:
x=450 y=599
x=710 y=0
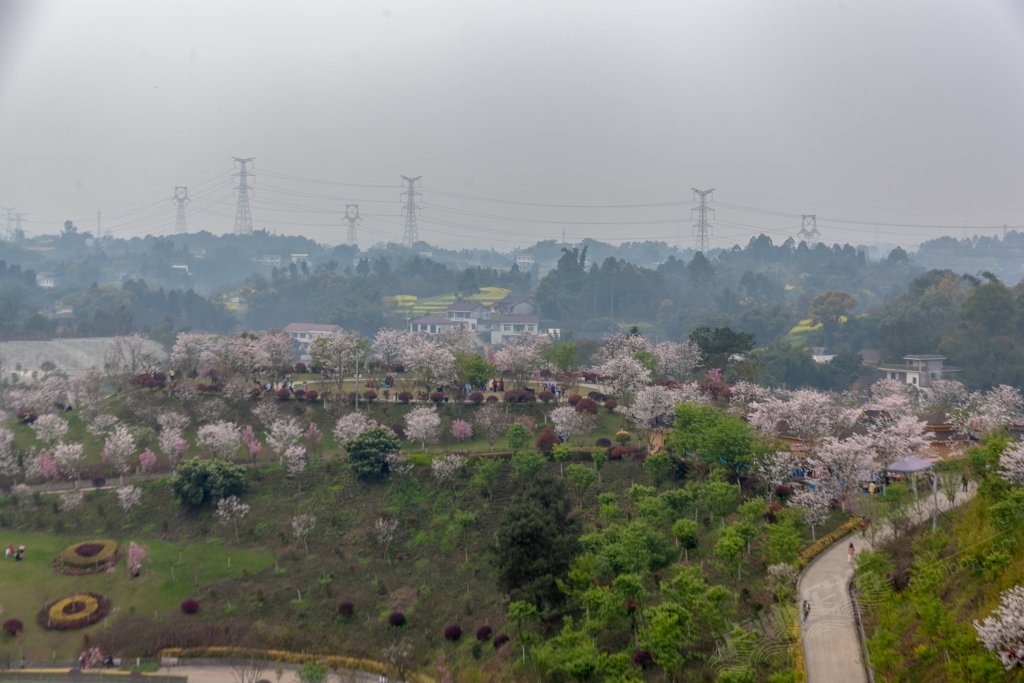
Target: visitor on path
x=963 y=483
x=10 y=550
x=850 y=552
x=806 y=609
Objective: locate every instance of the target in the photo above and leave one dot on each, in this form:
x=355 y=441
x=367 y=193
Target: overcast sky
x=862 y=112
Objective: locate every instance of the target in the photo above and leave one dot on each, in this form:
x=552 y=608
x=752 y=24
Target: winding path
x=832 y=649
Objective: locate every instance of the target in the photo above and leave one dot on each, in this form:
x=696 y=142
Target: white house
x=432 y=324
x=919 y=370
x=304 y=334
x=470 y=315
x=504 y=326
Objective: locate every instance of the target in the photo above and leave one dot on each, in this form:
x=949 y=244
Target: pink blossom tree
x=68 y=459
x=220 y=438
x=136 y=555
x=349 y=426
x=1003 y=632
x=312 y=434
x=251 y=443
x=570 y=423
x=492 y=419
x=462 y=430
x=457 y=340
x=521 y=356
x=173 y=445
x=230 y=511
x=987 y=411
x=147 y=460
x=129 y=497
x=423 y=424
x=43 y=465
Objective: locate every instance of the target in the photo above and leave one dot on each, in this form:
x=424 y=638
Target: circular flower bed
x=87 y=557
x=74 y=611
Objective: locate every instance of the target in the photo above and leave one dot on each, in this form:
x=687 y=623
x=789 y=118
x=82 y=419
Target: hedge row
x=823 y=543
x=333 y=661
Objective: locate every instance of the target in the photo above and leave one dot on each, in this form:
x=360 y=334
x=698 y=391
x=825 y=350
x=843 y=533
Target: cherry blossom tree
x=119 y=448
x=430 y=363
x=173 y=445
x=147 y=460
x=398 y=465
x=295 y=459
x=251 y=443
x=388 y=346
x=349 y=426
x=1003 y=631
x=570 y=423
x=128 y=356
x=386 y=530
x=136 y=555
x=190 y=351
x=266 y=413
x=283 y=434
x=85 y=392
x=462 y=430
x=129 y=497
x=312 y=434
x=447 y=469
x=68 y=458
x=457 y=340
x=220 y=438
x=236 y=354
x=100 y=425
x=897 y=438
x=619 y=345
x=893 y=399
x=624 y=376
x=743 y=393
x=649 y=404
x=230 y=511
x=172 y=420
x=773 y=468
x=521 y=356
x=493 y=420
x=338 y=353
x=423 y=424
x=50 y=428
x=946 y=394
x=302 y=526
x=987 y=411
x=1011 y=464
x=840 y=465
x=43 y=465
x=48 y=395
x=676 y=360
x=8 y=454
x=275 y=352
x=814 y=503
x=807 y=414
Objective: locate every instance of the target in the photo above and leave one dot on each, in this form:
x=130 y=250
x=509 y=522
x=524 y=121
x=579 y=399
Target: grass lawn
x=170 y=574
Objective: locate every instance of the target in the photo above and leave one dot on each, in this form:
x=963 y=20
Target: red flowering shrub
x=484 y=632
x=312 y=395
x=500 y=640
x=643 y=659
x=300 y=394
x=452 y=632
x=603 y=442
x=396 y=619
x=476 y=397
x=587 y=405
x=283 y=394
x=436 y=396
x=618 y=453
x=574 y=399
x=346 y=609
x=13 y=627
x=404 y=396
x=370 y=395
x=546 y=440
x=189 y=606
x=300 y=367
x=611 y=404
x=545 y=396
x=490 y=399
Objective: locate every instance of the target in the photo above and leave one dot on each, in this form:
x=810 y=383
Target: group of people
x=496 y=385
x=18 y=554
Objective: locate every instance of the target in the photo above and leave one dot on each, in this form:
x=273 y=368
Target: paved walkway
x=226 y=674
x=832 y=649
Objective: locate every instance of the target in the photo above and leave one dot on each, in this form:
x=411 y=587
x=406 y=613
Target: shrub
x=437 y=396
x=546 y=440
x=197 y=482
x=574 y=399
x=396 y=619
x=783 y=491
x=300 y=367
x=312 y=395
x=346 y=609
x=643 y=659
x=618 y=453
x=611 y=404
x=283 y=394
x=500 y=640
x=452 y=632
x=484 y=632
x=300 y=394
x=90 y=555
x=545 y=396
x=597 y=396
x=476 y=397
x=189 y=606
x=75 y=611
x=492 y=399
x=13 y=627
x=398 y=428
x=603 y=442
x=370 y=395
x=587 y=405
x=404 y=396
x=519 y=396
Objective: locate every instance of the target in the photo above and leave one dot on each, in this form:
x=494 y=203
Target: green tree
x=522 y=613
x=485 y=473
x=526 y=464
x=560 y=453
x=582 y=479
x=473 y=369
x=518 y=436
x=198 y=482
x=784 y=541
x=562 y=355
x=313 y=672
x=729 y=549
x=536 y=541
x=368 y=452
x=570 y=655
x=686 y=533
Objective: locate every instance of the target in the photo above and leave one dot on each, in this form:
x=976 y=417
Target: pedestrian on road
x=806 y=610
x=963 y=483
x=849 y=552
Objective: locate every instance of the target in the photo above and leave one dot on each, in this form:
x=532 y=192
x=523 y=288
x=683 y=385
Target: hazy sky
x=906 y=112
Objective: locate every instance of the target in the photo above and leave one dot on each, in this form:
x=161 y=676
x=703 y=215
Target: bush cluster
x=346 y=609
x=89 y=556
x=189 y=606
x=484 y=632
x=13 y=627
x=452 y=632
x=396 y=619
x=74 y=611
x=500 y=640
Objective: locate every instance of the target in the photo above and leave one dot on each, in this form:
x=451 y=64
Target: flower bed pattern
x=74 y=611
x=87 y=558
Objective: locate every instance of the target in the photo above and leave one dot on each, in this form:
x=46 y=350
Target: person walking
x=850 y=552
x=806 y=610
x=963 y=483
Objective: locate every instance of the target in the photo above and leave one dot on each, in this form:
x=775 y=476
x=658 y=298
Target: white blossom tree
x=68 y=458
x=987 y=411
x=230 y=511
x=521 y=356
x=275 y=352
x=283 y=434
x=398 y=465
x=423 y=424
x=386 y=530
x=173 y=445
x=814 y=503
x=100 y=425
x=50 y=428
x=773 y=468
x=8 y=455
x=1003 y=632
x=430 y=363
x=349 y=426
x=457 y=340
x=338 y=353
x=1011 y=464
x=492 y=419
x=119 y=449
x=649 y=404
x=676 y=360
x=220 y=438
x=618 y=345
x=447 y=469
x=840 y=465
x=302 y=526
x=570 y=423
x=71 y=501
x=189 y=352
x=129 y=497
x=388 y=346
x=624 y=376
x=295 y=459
x=128 y=356
x=266 y=413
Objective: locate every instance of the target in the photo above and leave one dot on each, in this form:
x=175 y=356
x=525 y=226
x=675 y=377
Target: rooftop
x=310 y=327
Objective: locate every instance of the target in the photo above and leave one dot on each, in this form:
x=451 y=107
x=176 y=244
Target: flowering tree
x=129 y=497
x=338 y=353
x=173 y=445
x=814 y=503
x=462 y=430
x=773 y=468
x=251 y=443
x=302 y=526
x=570 y=423
x=430 y=363
x=521 y=356
x=8 y=455
x=275 y=351
x=85 y=392
x=349 y=426
x=676 y=360
x=448 y=468
x=283 y=434
x=988 y=411
x=492 y=420
x=43 y=465
x=136 y=554
x=385 y=531
x=806 y=414
x=946 y=394
x=897 y=438
x=388 y=346
x=128 y=356
x=618 y=345
x=230 y=511
x=624 y=375
x=68 y=458
x=173 y=421
x=893 y=398
x=649 y=404
x=220 y=438
x=457 y=340
x=1011 y=464
x=743 y=393
x=398 y=465
x=119 y=448
x=190 y=350
x=1003 y=631
x=295 y=459
x=147 y=460
x=266 y=413
x=101 y=424
x=312 y=434
x=50 y=428
x=840 y=465
x=424 y=425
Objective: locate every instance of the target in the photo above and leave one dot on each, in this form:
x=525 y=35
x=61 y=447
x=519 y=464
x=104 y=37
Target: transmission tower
x=9 y=232
x=99 y=223
x=181 y=199
x=17 y=222
x=353 y=219
x=411 y=235
x=809 y=229
x=243 y=215
x=702 y=228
